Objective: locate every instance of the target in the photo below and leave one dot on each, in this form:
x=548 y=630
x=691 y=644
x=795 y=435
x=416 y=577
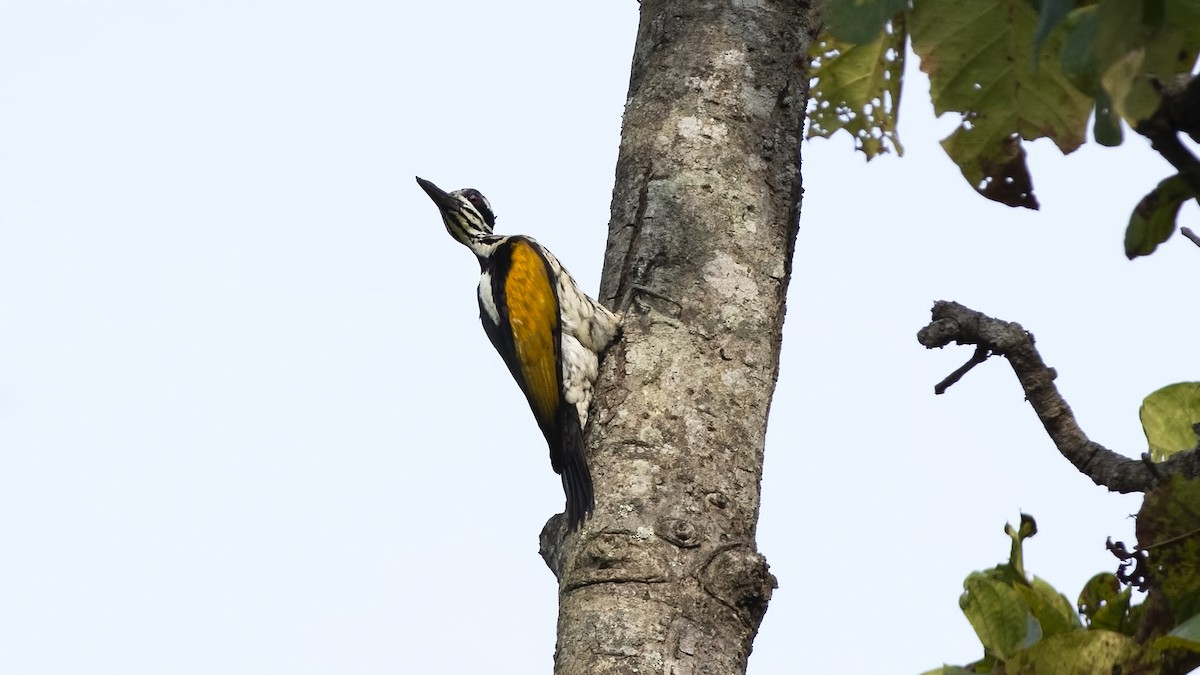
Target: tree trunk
x=667 y=577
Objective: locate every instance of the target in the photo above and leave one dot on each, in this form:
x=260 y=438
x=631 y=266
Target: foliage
x=1015 y=71
x=860 y=89
x=981 y=64
x=1153 y=219
x=1169 y=418
x=1028 y=627
x=1168 y=529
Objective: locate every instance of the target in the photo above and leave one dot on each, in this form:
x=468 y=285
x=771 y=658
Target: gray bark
x=666 y=577
x=953 y=322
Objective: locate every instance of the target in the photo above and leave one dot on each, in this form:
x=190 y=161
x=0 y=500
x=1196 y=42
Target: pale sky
x=249 y=422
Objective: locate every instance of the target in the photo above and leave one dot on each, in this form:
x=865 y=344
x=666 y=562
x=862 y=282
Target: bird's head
x=467 y=214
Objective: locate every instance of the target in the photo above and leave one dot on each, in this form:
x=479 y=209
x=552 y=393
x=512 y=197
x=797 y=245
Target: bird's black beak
x=443 y=200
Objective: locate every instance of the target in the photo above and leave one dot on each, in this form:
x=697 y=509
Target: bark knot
x=740 y=578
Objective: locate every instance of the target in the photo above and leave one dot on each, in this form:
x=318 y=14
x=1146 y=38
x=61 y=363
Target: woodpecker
x=547 y=330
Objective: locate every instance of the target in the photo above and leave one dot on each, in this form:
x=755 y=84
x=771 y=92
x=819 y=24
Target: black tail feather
x=576 y=478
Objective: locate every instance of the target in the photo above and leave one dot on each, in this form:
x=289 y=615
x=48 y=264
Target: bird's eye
x=481 y=205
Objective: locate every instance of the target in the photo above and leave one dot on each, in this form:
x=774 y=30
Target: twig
x=1170 y=540
x=981 y=354
x=1187 y=232
x=955 y=323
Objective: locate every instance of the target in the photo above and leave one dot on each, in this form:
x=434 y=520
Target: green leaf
x=1016 y=559
x=1134 y=618
x=1107 y=129
x=980 y=63
x=1185 y=15
x=1077 y=653
x=1027 y=528
x=1184 y=636
x=1120 y=29
x=1078 y=60
x=1079 y=67
x=996 y=169
x=1050 y=15
x=1134 y=97
x=1105 y=604
x=999 y=615
x=1168 y=416
x=1153 y=219
x=1138 y=42
x=1051 y=608
x=949 y=670
x=859 y=21
x=1168 y=527
x=856 y=88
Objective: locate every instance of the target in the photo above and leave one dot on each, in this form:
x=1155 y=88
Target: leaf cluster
x=1015 y=71
x=1028 y=627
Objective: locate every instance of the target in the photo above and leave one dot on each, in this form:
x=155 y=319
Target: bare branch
x=953 y=322
x=1187 y=232
x=981 y=354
